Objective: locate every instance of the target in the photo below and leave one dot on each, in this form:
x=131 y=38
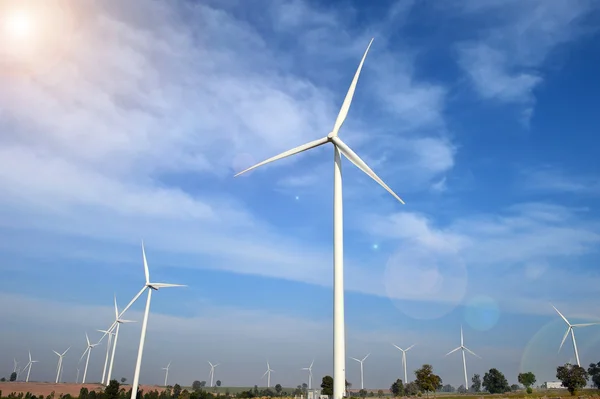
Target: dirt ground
x=46 y=388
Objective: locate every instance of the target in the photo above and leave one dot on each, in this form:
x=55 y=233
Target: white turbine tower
x=87 y=350
x=108 y=346
x=167 y=372
x=463 y=348
x=149 y=287
x=116 y=324
x=339 y=147
x=404 y=360
x=570 y=330
x=77 y=378
x=211 y=374
x=28 y=367
x=59 y=367
x=16 y=364
x=268 y=374
x=309 y=374
x=362 y=385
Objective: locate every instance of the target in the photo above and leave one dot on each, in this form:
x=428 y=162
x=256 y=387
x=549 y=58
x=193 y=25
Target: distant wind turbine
x=117 y=323
x=77 y=378
x=167 y=372
x=339 y=148
x=463 y=348
x=404 y=360
x=87 y=350
x=570 y=330
x=211 y=375
x=59 y=367
x=16 y=364
x=309 y=374
x=108 y=346
x=362 y=385
x=28 y=367
x=268 y=374
x=149 y=287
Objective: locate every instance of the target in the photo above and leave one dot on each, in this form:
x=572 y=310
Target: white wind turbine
x=87 y=350
x=167 y=372
x=339 y=147
x=59 y=367
x=149 y=287
x=108 y=346
x=463 y=348
x=570 y=330
x=404 y=359
x=362 y=385
x=309 y=374
x=116 y=324
x=211 y=375
x=28 y=367
x=268 y=374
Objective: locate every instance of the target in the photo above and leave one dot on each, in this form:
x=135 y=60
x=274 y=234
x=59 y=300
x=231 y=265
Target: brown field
x=46 y=388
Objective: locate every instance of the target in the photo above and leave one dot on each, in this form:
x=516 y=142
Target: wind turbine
x=570 y=330
x=167 y=372
x=463 y=348
x=309 y=374
x=108 y=346
x=77 y=378
x=211 y=375
x=28 y=367
x=149 y=287
x=339 y=147
x=404 y=359
x=268 y=374
x=117 y=323
x=16 y=364
x=362 y=386
x=59 y=367
x=87 y=350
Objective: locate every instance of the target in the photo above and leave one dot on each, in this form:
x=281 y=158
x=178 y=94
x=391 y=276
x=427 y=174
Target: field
x=46 y=388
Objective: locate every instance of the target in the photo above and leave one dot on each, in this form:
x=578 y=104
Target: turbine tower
x=339 y=147
x=87 y=350
x=309 y=374
x=463 y=348
x=108 y=346
x=117 y=323
x=211 y=375
x=167 y=372
x=28 y=367
x=149 y=287
x=268 y=374
x=404 y=359
x=362 y=385
x=59 y=367
x=570 y=330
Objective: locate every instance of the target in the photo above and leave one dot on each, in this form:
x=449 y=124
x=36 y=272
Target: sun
x=18 y=24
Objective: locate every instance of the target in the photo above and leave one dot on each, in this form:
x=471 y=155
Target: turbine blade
x=585 y=324
x=146 y=272
x=353 y=358
x=84 y=352
x=561 y=315
x=471 y=352
x=288 y=153
x=365 y=358
x=56 y=353
x=452 y=351
x=165 y=285
x=399 y=348
x=410 y=347
x=311 y=364
x=127 y=321
x=263 y=376
x=564 y=338
x=462 y=341
x=348 y=100
x=87 y=339
x=65 y=352
x=359 y=163
x=116 y=308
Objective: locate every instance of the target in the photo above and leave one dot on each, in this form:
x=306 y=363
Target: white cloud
x=555 y=180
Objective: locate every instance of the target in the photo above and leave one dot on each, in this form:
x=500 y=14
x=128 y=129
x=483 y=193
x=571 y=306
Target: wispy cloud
x=555 y=180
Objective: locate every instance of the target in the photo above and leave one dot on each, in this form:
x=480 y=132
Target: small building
x=553 y=385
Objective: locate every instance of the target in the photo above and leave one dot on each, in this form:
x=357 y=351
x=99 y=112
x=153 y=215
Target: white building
x=553 y=385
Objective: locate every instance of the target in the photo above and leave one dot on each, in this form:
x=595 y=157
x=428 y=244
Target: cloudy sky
x=123 y=121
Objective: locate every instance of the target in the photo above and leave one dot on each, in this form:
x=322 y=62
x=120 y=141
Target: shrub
x=529 y=390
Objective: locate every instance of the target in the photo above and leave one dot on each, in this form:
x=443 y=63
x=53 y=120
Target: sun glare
x=18 y=24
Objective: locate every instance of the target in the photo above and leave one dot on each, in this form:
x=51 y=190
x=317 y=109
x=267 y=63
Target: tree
x=278 y=389
x=196 y=385
x=527 y=379
x=514 y=387
x=380 y=393
x=2 y=379
x=362 y=393
x=176 y=391
x=411 y=388
x=397 y=388
x=461 y=389
x=495 y=382
x=327 y=385
x=218 y=383
x=573 y=377
x=476 y=386
x=13 y=376
x=123 y=380
x=594 y=372
x=112 y=390
x=426 y=380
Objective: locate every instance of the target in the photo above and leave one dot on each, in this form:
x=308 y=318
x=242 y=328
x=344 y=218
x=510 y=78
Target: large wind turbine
x=362 y=385
x=28 y=367
x=117 y=323
x=309 y=368
x=404 y=359
x=87 y=350
x=149 y=287
x=108 y=346
x=211 y=375
x=59 y=367
x=268 y=374
x=339 y=147
x=463 y=348
x=167 y=372
x=570 y=330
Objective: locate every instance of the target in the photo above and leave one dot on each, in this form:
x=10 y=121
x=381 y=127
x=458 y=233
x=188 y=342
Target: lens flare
x=18 y=24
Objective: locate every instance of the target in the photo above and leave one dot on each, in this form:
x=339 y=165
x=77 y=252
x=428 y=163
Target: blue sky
x=122 y=122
